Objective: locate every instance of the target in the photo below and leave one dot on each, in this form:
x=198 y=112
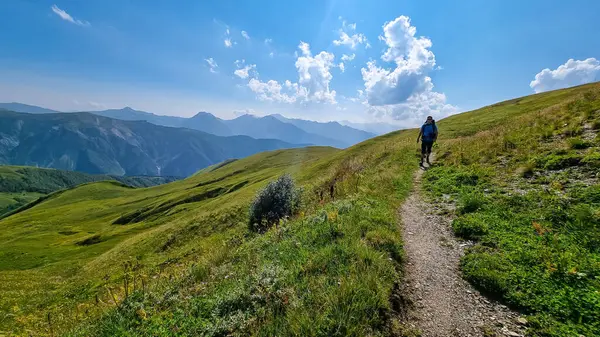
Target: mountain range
x=296 y=131
x=99 y=145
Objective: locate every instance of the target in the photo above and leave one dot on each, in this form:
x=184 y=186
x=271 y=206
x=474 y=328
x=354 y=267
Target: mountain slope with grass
x=182 y=258
x=524 y=177
x=20 y=185
x=99 y=145
x=191 y=238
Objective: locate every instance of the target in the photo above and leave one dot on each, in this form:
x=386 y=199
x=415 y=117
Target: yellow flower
x=332 y=216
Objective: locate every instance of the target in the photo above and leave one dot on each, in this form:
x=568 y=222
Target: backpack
x=429 y=131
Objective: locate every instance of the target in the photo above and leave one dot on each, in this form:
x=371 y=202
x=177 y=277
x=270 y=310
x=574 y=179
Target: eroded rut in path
x=442 y=303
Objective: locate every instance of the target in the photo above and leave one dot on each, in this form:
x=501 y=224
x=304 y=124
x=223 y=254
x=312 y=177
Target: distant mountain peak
x=203 y=114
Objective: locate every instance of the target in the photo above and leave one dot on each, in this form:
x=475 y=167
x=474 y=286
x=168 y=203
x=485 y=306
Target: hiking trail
x=440 y=302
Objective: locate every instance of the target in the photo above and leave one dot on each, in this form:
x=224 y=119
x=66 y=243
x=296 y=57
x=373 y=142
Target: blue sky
x=411 y=58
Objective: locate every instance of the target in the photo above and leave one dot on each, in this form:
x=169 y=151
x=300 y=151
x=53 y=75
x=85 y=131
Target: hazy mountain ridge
x=344 y=133
x=100 y=145
x=268 y=127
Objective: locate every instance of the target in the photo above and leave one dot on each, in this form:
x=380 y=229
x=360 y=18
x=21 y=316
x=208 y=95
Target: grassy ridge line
x=20 y=185
x=528 y=194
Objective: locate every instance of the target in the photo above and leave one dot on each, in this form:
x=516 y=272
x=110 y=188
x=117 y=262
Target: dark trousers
x=426 y=146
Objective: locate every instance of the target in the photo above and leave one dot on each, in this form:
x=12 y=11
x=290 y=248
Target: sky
x=363 y=61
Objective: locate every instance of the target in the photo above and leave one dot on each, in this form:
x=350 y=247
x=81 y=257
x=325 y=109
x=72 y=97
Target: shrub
x=280 y=199
x=470 y=202
x=470 y=227
x=578 y=143
x=559 y=162
x=527 y=170
x=592 y=159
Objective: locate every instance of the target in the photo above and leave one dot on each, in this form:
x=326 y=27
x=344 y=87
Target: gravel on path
x=442 y=303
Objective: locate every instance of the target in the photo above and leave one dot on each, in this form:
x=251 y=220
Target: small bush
x=280 y=199
x=527 y=170
x=558 y=162
x=470 y=227
x=578 y=143
x=592 y=159
x=470 y=202
x=92 y=240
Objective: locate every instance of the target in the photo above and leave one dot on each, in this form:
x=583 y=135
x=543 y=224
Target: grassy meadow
x=526 y=188
x=69 y=262
x=105 y=259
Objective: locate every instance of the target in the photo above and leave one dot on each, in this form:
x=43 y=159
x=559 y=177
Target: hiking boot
x=428 y=163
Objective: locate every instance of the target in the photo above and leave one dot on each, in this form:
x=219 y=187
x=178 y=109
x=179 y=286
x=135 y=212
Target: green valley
x=20 y=185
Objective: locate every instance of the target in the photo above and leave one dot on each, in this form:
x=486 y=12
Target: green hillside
x=524 y=174
x=178 y=259
x=20 y=185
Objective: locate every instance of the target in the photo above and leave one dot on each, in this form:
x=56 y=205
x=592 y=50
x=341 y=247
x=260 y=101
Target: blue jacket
x=428 y=132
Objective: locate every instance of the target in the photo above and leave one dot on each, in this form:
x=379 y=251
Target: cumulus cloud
x=342 y=66
x=314 y=74
x=227 y=42
x=406 y=91
x=353 y=40
x=245 y=71
x=348 y=58
x=416 y=108
x=67 y=17
x=271 y=91
x=212 y=65
x=314 y=77
x=245 y=35
x=573 y=72
x=305 y=48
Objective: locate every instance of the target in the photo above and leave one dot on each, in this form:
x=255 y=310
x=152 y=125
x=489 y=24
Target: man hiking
x=428 y=134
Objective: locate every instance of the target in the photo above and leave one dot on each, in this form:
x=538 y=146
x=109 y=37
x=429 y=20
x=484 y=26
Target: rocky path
x=442 y=304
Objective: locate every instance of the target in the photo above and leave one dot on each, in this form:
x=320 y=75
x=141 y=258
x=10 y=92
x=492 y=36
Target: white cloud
x=89 y=105
x=348 y=58
x=245 y=35
x=342 y=67
x=65 y=16
x=271 y=54
x=242 y=112
x=405 y=92
x=572 y=73
x=268 y=41
x=245 y=71
x=314 y=77
x=271 y=91
x=305 y=48
x=416 y=108
x=353 y=40
x=314 y=74
x=212 y=64
x=227 y=42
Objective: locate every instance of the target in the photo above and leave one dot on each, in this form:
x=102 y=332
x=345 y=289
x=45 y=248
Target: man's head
x=429 y=120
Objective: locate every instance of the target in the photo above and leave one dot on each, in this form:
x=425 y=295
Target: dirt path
x=442 y=303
